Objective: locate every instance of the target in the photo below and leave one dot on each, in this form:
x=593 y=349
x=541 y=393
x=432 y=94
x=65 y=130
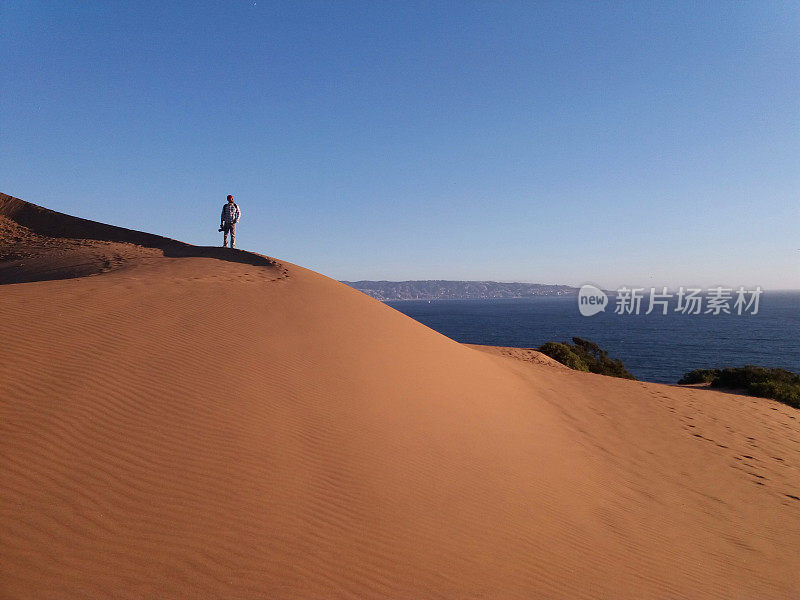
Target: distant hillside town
x=456 y=290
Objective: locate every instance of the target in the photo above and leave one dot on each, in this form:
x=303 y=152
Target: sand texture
x=184 y=422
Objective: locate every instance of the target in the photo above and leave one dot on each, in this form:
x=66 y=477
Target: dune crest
x=39 y=244
x=193 y=424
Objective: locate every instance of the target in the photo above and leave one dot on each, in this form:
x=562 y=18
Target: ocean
x=655 y=347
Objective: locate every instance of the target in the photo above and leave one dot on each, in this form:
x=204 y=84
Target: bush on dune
x=598 y=360
x=778 y=384
x=583 y=355
x=563 y=354
x=782 y=392
x=699 y=376
x=741 y=377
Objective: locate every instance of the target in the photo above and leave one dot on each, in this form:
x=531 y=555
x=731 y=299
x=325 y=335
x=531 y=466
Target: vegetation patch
x=778 y=384
x=699 y=376
x=583 y=355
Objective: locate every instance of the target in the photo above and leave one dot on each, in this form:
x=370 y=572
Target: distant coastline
x=457 y=290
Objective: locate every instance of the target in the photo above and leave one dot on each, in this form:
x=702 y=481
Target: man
x=230 y=216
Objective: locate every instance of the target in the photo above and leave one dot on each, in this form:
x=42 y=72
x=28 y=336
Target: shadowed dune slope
x=182 y=425
x=39 y=244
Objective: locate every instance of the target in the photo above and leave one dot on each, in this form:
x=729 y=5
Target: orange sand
x=186 y=422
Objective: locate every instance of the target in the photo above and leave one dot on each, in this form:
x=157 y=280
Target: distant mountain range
x=457 y=290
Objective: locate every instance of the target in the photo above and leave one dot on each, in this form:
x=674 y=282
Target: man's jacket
x=230 y=213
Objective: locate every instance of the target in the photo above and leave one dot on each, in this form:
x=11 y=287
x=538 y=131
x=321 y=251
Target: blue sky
x=625 y=143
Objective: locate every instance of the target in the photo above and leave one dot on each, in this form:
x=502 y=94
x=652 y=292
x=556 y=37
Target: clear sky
x=623 y=143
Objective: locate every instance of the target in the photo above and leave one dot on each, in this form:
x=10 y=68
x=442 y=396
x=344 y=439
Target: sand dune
x=183 y=422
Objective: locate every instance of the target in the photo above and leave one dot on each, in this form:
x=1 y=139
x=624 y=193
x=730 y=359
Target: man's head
x=230 y=199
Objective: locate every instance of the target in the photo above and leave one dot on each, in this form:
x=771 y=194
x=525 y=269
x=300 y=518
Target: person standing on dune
x=230 y=216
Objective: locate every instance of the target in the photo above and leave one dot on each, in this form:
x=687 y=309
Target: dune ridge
x=195 y=423
x=39 y=244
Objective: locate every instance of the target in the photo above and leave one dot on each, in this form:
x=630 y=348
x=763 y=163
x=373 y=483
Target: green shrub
x=699 y=376
x=741 y=377
x=777 y=390
x=563 y=354
x=598 y=360
x=778 y=384
x=583 y=355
